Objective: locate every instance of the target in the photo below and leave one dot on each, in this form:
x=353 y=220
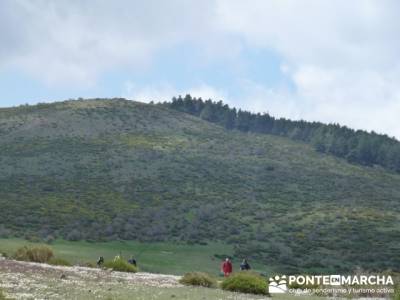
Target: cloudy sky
x=331 y=61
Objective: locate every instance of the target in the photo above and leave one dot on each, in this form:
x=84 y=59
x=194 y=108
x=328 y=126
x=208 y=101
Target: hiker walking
x=132 y=261
x=226 y=267
x=244 y=266
x=100 y=261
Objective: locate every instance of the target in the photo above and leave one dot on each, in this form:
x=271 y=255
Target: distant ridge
x=356 y=146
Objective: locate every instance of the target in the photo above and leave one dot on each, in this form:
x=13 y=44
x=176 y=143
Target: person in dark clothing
x=244 y=266
x=132 y=261
x=100 y=261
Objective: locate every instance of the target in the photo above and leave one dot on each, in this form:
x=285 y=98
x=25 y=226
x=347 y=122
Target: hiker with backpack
x=244 y=266
x=100 y=261
x=132 y=261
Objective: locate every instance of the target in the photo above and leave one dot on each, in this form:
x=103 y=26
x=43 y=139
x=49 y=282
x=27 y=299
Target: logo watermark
x=331 y=284
x=277 y=285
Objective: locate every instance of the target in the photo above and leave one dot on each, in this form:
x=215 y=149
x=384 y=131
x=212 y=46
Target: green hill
x=356 y=146
x=116 y=169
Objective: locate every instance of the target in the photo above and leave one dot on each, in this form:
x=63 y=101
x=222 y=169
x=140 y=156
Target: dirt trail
x=26 y=280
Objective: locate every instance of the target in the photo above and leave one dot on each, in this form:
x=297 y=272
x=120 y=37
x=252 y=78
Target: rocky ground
x=26 y=280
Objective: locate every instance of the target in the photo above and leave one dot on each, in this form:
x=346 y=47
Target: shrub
x=22 y=254
x=2 y=296
x=120 y=265
x=199 y=279
x=396 y=295
x=245 y=282
x=40 y=254
x=56 y=261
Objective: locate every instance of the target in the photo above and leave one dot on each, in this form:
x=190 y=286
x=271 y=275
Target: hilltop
x=356 y=146
x=108 y=169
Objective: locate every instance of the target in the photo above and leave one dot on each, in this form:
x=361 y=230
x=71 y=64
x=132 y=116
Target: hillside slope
x=110 y=169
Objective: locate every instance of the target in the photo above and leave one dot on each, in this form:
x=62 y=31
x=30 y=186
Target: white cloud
x=367 y=99
x=341 y=56
x=277 y=102
x=208 y=92
x=75 y=41
x=164 y=92
x=157 y=93
x=328 y=33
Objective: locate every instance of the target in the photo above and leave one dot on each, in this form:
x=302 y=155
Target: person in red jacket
x=226 y=267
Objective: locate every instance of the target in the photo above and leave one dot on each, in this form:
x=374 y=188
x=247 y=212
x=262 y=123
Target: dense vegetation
x=39 y=254
x=355 y=146
x=2 y=297
x=245 y=282
x=198 y=279
x=110 y=169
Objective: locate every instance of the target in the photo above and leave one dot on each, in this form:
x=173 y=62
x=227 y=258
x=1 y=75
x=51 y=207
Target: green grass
x=120 y=265
x=56 y=261
x=164 y=258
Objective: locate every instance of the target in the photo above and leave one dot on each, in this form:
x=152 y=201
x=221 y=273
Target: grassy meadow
x=44 y=282
x=165 y=258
